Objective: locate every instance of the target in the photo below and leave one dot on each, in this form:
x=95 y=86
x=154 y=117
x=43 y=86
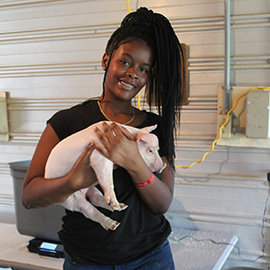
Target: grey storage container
x=43 y=223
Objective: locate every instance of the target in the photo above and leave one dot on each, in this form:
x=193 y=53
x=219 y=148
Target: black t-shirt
x=140 y=230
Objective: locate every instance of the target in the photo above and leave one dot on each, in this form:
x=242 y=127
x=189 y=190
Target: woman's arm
x=40 y=192
x=121 y=148
x=158 y=194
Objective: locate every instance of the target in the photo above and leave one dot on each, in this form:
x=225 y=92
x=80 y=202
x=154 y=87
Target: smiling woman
x=126 y=73
x=144 y=51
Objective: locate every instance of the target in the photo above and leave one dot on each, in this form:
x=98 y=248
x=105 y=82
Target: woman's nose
x=131 y=73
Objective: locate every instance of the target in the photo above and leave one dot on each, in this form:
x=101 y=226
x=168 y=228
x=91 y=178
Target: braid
x=165 y=80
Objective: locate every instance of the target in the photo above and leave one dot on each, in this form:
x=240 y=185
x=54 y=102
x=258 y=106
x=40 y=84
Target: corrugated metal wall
x=50 y=54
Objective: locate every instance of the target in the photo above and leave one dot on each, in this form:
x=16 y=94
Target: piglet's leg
x=97 y=198
x=78 y=202
x=104 y=172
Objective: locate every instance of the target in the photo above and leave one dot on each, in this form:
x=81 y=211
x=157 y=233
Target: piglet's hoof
x=112 y=226
x=121 y=207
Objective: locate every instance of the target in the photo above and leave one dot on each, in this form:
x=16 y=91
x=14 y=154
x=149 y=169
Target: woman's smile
x=126 y=85
x=128 y=69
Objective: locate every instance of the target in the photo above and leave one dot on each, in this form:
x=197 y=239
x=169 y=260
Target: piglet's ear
x=148 y=138
x=150 y=128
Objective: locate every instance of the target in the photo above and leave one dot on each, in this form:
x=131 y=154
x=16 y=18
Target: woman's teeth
x=128 y=85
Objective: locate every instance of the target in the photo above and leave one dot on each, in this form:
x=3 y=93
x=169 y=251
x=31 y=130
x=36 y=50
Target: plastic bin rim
x=19 y=165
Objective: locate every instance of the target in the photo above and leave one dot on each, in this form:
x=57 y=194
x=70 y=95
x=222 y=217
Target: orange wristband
x=147 y=182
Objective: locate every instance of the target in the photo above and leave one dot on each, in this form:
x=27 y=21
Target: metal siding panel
x=224 y=193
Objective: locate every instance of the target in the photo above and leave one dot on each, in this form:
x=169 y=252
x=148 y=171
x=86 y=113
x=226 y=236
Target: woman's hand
x=121 y=148
x=82 y=174
x=40 y=192
x=119 y=145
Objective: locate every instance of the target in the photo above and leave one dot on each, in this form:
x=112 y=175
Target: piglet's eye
x=150 y=151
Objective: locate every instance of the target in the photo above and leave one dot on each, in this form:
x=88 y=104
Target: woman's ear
x=105 y=61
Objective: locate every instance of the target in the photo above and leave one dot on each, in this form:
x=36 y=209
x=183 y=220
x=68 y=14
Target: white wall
x=50 y=55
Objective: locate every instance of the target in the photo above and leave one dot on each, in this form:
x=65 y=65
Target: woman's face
x=128 y=70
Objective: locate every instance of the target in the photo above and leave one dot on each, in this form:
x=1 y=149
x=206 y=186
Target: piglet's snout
x=158 y=165
x=148 y=148
x=163 y=167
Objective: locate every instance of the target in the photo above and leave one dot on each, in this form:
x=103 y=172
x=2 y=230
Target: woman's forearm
x=41 y=192
x=158 y=194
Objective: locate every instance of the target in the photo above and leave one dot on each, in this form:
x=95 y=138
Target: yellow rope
x=128 y=6
x=220 y=129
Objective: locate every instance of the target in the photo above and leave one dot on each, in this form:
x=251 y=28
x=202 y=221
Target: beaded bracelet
x=146 y=183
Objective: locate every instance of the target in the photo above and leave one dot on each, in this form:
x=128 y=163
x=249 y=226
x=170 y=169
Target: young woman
x=143 y=51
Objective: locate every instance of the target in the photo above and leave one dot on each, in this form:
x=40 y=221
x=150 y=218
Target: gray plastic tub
x=43 y=223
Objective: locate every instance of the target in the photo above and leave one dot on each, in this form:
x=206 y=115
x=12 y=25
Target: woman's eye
x=143 y=70
x=124 y=62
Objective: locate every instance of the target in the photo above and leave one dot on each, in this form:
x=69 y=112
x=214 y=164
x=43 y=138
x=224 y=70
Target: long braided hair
x=164 y=86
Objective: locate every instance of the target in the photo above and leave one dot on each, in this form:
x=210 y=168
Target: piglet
x=65 y=154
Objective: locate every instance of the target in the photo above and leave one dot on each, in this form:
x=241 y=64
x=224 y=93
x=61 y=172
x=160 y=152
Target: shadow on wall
x=178 y=217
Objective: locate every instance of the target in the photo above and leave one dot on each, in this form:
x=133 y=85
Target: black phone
x=51 y=249
x=46 y=248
